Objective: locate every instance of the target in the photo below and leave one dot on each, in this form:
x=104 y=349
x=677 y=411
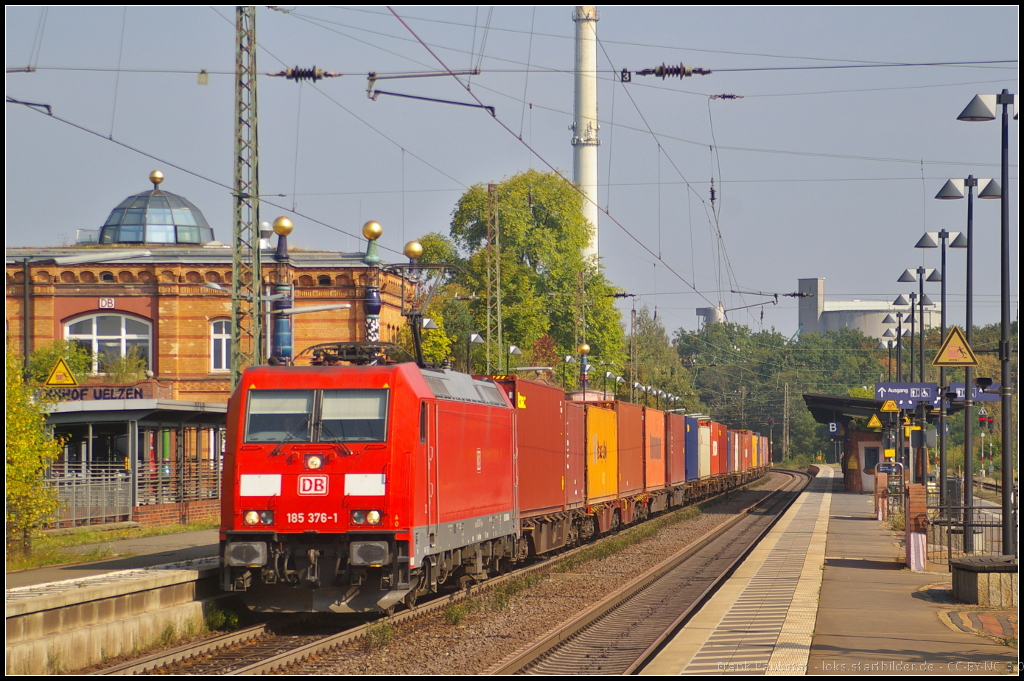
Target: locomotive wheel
x=410 y=600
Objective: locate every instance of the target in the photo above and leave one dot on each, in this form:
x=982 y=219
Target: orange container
x=655 y=450
x=602 y=462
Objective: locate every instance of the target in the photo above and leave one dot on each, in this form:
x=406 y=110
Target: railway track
x=273 y=647
x=621 y=632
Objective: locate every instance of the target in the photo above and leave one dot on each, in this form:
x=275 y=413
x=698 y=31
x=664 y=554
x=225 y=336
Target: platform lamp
x=952 y=190
x=888 y=344
x=566 y=360
x=983 y=108
x=933 y=240
x=900 y=301
x=920 y=275
x=512 y=350
x=604 y=385
x=471 y=340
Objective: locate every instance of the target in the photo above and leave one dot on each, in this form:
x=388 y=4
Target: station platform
x=827 y=592
x=129 y=554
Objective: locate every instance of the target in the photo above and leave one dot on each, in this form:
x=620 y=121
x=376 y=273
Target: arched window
x=220 y=345
x=111 y=336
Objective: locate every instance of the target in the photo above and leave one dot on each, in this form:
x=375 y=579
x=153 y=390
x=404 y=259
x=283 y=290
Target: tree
x=547 y=287
x=657 y=363
x=43 y=359
x=742 y=376
x=30 y=449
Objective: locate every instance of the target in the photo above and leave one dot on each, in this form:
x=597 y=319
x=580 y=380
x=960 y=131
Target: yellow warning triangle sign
x=889 y=406
x=874 y=422
x=955 y=352
x=61 y=376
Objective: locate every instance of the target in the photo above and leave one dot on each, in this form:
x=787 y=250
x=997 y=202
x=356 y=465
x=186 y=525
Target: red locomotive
x=358 y=488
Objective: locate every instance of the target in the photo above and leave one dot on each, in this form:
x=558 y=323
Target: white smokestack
x=584 y=126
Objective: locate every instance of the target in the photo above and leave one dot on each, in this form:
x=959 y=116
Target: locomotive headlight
x=314 y=461
x=358 y=517
x=252 y=518
x=267 y=517
x=373 y=517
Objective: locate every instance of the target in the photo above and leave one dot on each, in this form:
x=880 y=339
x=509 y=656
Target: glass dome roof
x=156 y=217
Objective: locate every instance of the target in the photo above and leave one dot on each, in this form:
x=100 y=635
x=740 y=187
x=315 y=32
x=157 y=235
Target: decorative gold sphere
x=372 y=230
x=413 y=250
x=584 y=349
x=156 y=177
x=283 y=226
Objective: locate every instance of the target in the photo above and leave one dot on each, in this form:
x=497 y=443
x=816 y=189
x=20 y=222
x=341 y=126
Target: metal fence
x=156 y=466
x=90 y=493
x=952 y=533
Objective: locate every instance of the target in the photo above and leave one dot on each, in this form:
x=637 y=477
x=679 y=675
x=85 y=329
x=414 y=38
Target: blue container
x=692 y=448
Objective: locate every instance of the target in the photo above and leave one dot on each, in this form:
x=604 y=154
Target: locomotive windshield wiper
x=291 y=436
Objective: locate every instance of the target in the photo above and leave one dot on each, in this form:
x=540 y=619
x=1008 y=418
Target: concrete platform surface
x=827 y=593
x=131 y=554
x=877 y=617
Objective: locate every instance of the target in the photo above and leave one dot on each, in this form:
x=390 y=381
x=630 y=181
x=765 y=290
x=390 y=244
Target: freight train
x=358 y=488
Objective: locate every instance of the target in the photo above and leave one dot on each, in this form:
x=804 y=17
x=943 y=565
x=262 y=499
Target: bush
x=30 y=503
x=379 y=635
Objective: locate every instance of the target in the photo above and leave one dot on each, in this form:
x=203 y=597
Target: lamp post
x=512 y=350
x=471 y=339
x=584 y=350
x=887 y=345
x=604 y=385
x=920 y=275
x=952 y=190
x=568 y=359
x=982 y=108
x=913 y=332
x=900 y=301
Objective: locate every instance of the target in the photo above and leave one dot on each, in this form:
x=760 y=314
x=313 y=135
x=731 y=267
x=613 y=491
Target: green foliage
x=128 y=368
x=502 y=595
x=659 y=365
x=221 y=620
x=455 y=613
x=44 y=359
x=547 y=288
x=30 y=449
x=378 y=635
x=741 y=376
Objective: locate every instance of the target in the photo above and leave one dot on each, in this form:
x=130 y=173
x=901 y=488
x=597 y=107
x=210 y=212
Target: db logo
x=313 y=485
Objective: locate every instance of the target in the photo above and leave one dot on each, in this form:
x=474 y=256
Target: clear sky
x=824 y=172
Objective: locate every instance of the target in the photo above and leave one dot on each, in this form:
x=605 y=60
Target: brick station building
x=150 y=450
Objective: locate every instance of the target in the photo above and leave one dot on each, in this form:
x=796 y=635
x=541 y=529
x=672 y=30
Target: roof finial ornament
x=156 y=177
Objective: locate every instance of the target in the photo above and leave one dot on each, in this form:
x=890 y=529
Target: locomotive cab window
x=354 y=416
x=279 y=416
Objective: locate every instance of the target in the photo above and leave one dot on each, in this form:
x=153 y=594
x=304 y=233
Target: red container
x=719 y=449
x=540 y=429
x=655 y=468
x=744 y=444
x=675 y=438
x=631 y=450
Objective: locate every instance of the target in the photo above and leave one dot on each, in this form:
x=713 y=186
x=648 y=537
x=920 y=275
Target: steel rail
x=563 y=633
x=280 y=661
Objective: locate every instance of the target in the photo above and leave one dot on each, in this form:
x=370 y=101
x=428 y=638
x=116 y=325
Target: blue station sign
x=978 y=396
x=908 y=395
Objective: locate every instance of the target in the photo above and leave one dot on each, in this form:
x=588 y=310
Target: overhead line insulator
x=314 y=74
x=681 y=71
